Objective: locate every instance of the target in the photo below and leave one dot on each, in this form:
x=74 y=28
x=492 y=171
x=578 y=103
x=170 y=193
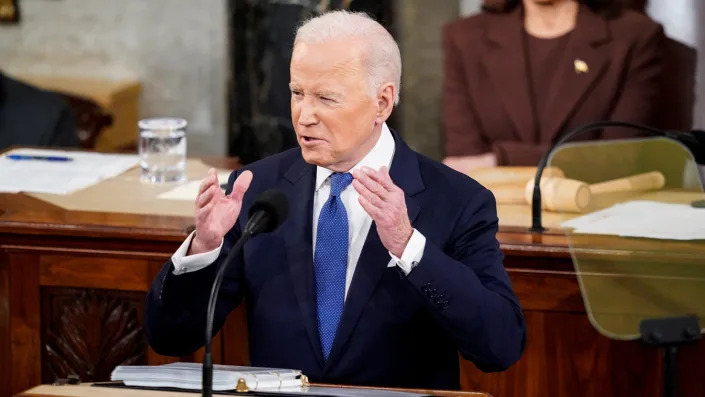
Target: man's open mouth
x=309 y=139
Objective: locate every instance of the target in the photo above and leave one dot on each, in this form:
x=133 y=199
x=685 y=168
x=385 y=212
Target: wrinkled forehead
x=335 y=58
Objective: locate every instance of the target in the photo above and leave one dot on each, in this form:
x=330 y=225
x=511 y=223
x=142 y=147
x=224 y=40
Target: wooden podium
x=73 y=283
x=85 y=390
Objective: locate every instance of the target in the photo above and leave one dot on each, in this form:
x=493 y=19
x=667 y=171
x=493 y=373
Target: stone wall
x=177 y=49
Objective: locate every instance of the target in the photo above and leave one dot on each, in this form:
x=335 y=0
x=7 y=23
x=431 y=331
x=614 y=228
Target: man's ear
x=385 y=102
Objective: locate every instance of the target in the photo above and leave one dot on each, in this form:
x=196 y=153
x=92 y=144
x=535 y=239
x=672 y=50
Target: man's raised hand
x=216 y=213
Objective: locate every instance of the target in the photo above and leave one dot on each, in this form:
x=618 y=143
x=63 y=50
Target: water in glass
x=162 y=150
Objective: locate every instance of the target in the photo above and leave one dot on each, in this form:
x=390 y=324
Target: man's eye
x=296 y=93
x=327 y=99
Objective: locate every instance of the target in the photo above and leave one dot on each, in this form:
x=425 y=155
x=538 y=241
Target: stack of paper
x=225 y=377
x=59 y=177
x=646 y=219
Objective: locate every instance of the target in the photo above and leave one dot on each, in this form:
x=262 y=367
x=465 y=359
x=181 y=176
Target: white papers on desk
x=225 y=377
x=57 y=177
x=646 y=219
x=273 y=381
x=189 y=190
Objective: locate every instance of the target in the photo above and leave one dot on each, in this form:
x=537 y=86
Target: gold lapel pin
x=580 y=66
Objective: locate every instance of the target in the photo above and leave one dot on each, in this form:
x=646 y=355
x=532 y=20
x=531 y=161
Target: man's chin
x=314 y=157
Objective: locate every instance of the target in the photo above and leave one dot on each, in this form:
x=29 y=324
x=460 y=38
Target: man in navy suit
x=30 y=116
x=388 y=264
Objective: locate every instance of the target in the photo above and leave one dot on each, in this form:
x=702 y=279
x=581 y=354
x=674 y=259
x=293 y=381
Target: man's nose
x=308 y=114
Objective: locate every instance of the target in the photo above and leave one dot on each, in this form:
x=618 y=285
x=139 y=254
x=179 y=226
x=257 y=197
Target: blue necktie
x=330 y=261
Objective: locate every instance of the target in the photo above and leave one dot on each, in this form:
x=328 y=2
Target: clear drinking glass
x=162 y=149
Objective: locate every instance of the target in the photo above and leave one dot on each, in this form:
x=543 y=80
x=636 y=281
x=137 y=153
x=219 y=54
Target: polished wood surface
x=72 y=285
x=85 y=390
x=439 y=393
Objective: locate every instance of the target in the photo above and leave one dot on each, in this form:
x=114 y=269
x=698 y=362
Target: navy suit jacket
x=396 y=330
x=33 y=117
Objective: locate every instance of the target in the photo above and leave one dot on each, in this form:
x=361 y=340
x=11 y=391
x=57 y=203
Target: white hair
x=383 y=60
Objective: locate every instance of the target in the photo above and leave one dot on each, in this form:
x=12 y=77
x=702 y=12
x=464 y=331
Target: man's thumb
x=240 y=186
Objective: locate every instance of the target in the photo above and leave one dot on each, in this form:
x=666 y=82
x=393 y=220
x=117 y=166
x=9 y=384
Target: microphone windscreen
x=275 y=204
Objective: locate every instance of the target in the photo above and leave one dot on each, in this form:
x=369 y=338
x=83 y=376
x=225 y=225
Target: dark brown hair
x=606 y=8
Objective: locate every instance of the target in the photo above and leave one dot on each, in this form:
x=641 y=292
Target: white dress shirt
x=359 y=221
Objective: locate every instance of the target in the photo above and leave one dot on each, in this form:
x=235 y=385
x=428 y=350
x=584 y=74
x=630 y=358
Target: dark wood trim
x=5 y=330
x=439 y=393
x=25 y=324
x=94 y=272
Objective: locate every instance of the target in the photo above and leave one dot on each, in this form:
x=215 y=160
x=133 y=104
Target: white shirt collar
x=380 y=155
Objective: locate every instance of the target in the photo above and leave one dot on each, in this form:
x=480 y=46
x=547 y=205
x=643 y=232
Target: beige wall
x=419 y=24
x=176 y=48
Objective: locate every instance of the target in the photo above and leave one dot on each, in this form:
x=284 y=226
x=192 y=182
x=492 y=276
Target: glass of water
x=162 y=149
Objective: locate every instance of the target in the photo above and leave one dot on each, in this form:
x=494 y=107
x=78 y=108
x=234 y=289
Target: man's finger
x=370 y=196
x=240 y=186
x=378 y=176
x=210 y=179
x=370 y=184
x=372 y=211
x=205 y=197
x=383 y=178
x=203 y=212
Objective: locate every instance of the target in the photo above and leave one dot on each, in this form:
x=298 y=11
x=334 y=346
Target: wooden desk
x=85 y=390
x=72 y=286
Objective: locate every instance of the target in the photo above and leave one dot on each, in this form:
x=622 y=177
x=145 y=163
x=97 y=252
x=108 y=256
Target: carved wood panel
x=88 y=332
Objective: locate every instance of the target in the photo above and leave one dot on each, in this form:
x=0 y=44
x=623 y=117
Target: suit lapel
x=572 y=82
x=299 y=188
x=505 y=64
x=374 y=257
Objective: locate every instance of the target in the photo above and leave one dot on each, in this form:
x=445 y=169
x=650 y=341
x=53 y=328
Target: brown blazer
x=486 y=101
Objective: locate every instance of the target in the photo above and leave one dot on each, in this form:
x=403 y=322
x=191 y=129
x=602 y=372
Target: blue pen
x=32 y=157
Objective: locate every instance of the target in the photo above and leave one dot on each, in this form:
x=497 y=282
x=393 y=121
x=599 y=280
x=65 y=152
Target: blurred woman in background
x=523 y=71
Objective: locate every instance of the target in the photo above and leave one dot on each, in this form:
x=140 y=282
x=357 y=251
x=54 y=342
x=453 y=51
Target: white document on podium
x=273 y=381
x=645 y=219
x=35 y=175
x=188 y=376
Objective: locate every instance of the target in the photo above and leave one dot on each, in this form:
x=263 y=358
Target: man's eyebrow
x=328 y=94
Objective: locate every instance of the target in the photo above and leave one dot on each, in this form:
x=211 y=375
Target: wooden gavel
x=570 y=195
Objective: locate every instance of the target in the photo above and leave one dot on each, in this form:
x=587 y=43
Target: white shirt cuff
x=186 y=264
x=412 y=253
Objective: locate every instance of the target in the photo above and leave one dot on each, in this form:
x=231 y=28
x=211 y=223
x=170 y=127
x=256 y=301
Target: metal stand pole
x=669 y=333
x=670 y=371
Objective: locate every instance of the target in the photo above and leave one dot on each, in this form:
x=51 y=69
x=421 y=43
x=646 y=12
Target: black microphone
x=693 y=140
x=266 y=214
